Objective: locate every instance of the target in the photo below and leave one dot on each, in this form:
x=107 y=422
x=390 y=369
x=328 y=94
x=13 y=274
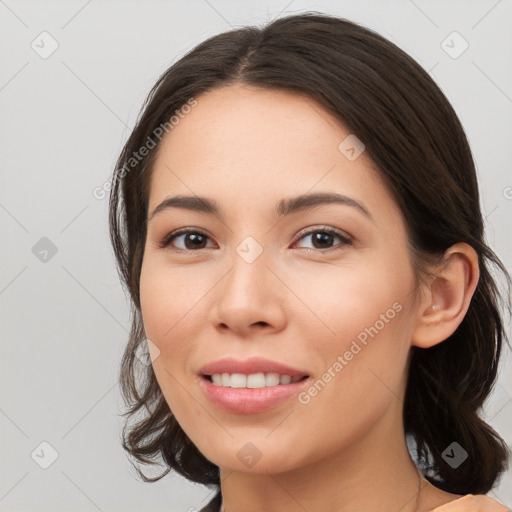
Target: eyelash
x=331 y=231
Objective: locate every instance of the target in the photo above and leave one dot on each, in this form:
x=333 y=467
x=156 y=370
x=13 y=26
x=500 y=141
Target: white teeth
x=272 y=379
x=256 y=380
x=238 y=380
x=252 y=381
x=217 y=379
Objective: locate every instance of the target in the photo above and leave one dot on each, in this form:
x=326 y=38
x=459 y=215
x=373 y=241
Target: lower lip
x=247 y=400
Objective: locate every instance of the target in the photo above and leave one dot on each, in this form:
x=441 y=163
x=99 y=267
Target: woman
x=296 y=218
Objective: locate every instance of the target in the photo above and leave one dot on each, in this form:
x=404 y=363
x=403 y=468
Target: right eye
x=192 y=240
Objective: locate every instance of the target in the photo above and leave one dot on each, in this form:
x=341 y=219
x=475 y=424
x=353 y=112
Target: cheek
x=360 y=332
x=170 y=321
x=362 y=363
x=168 y=297
x=343 y=300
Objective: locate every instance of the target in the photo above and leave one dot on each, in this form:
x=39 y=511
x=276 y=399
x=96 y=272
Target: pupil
x=193 y=236
x=321 y=237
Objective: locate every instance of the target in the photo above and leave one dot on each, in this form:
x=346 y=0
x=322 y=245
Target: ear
x=446 y=297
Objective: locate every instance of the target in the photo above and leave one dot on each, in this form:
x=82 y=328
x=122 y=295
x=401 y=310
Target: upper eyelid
x=320 y=228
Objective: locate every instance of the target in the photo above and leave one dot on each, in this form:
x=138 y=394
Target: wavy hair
x=415 y=139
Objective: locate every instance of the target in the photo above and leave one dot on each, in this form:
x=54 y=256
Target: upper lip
x=250 y=366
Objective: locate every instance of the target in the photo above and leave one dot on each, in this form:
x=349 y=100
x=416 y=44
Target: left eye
x=195 y=240
x=325 y=235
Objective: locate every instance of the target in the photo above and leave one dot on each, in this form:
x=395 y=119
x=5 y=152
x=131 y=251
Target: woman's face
x=254 y=281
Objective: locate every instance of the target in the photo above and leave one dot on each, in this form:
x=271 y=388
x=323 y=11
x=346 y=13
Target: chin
x=251 y=459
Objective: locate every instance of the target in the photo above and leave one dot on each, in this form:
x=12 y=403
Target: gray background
x=63 y=121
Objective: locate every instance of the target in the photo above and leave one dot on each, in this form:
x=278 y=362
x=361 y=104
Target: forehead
x=245 y=122
x=244 y=145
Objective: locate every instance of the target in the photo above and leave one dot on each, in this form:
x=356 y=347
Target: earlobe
x=448 y=296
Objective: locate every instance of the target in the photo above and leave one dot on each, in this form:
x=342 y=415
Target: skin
x=298 y=303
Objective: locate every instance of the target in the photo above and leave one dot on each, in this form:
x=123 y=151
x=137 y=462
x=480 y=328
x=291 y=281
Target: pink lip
x=250 y=401
x=249 y=366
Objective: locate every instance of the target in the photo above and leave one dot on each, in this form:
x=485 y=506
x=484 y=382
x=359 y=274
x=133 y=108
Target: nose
x=250 y=297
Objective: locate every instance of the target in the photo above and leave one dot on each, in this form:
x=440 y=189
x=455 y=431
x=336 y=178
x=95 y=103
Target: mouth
x=255 y=372
x=239 y=393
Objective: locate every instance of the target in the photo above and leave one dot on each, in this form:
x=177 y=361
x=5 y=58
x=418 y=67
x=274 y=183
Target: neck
x=368 y=474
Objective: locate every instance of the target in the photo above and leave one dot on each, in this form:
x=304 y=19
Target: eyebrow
x=283 y=208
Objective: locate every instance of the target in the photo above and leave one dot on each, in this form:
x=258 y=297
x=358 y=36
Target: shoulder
x=472 y=503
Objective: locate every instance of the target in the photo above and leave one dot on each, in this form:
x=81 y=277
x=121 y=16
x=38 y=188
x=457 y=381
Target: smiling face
x=259 y=280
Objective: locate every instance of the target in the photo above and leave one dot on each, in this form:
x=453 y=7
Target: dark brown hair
x=415 y=139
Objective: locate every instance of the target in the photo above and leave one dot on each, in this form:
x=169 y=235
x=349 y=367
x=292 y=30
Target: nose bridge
x=251 y=249
x=245 y=296
x=249 y=267
x=249 y=240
